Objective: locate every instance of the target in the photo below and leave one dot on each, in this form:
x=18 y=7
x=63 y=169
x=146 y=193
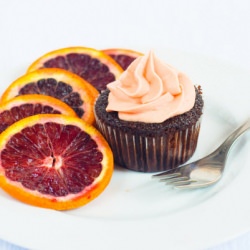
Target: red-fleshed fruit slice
x=124 y=57
x=27 y=105
x=93 y=65
x=54 y=161
x=58 y=83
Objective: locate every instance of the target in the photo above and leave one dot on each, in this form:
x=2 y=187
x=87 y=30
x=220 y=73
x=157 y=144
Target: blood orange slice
x=27 y=105
x=92 y=65
x=54 y=161
x=58 y=83
x=124 y=57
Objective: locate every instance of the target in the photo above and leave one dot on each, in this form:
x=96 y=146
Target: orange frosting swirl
x=150 y=91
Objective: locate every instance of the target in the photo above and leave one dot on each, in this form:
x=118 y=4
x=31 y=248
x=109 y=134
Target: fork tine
x=175 y=179
x=166 y=176
x=183 y=183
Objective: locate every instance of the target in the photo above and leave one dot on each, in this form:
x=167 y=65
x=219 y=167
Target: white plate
x=136 y=212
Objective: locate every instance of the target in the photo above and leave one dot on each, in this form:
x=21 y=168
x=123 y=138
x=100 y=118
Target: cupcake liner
x=152 y=153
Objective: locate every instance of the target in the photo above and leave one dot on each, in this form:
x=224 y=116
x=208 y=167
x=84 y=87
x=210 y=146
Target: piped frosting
x=150 y=91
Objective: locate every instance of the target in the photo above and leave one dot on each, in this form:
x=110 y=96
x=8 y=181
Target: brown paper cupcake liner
x=150 y=153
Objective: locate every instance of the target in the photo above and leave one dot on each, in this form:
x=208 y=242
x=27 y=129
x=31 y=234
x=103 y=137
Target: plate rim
x=20 y=212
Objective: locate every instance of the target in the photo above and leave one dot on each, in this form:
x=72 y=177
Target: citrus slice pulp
x=58 y=83
x=124 y=57
x=54 y=161
x=93 y=65
x=23 y=106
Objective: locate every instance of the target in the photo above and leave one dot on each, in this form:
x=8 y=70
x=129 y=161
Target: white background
x=214 y=28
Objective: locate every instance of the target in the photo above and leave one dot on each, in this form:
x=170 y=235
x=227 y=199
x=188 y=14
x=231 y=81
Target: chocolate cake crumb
x=179 y=122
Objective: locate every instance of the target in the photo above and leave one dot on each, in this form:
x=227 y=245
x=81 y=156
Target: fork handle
x=224 y=148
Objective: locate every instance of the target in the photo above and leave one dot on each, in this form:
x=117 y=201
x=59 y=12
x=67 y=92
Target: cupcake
x=150 y=116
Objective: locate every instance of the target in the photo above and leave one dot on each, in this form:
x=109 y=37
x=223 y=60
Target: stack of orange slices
x=51 y=155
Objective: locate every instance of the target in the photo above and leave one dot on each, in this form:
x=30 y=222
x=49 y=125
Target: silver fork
x=205 y=171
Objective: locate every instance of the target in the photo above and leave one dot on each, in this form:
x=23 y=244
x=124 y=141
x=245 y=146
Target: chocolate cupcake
x=150 y=116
